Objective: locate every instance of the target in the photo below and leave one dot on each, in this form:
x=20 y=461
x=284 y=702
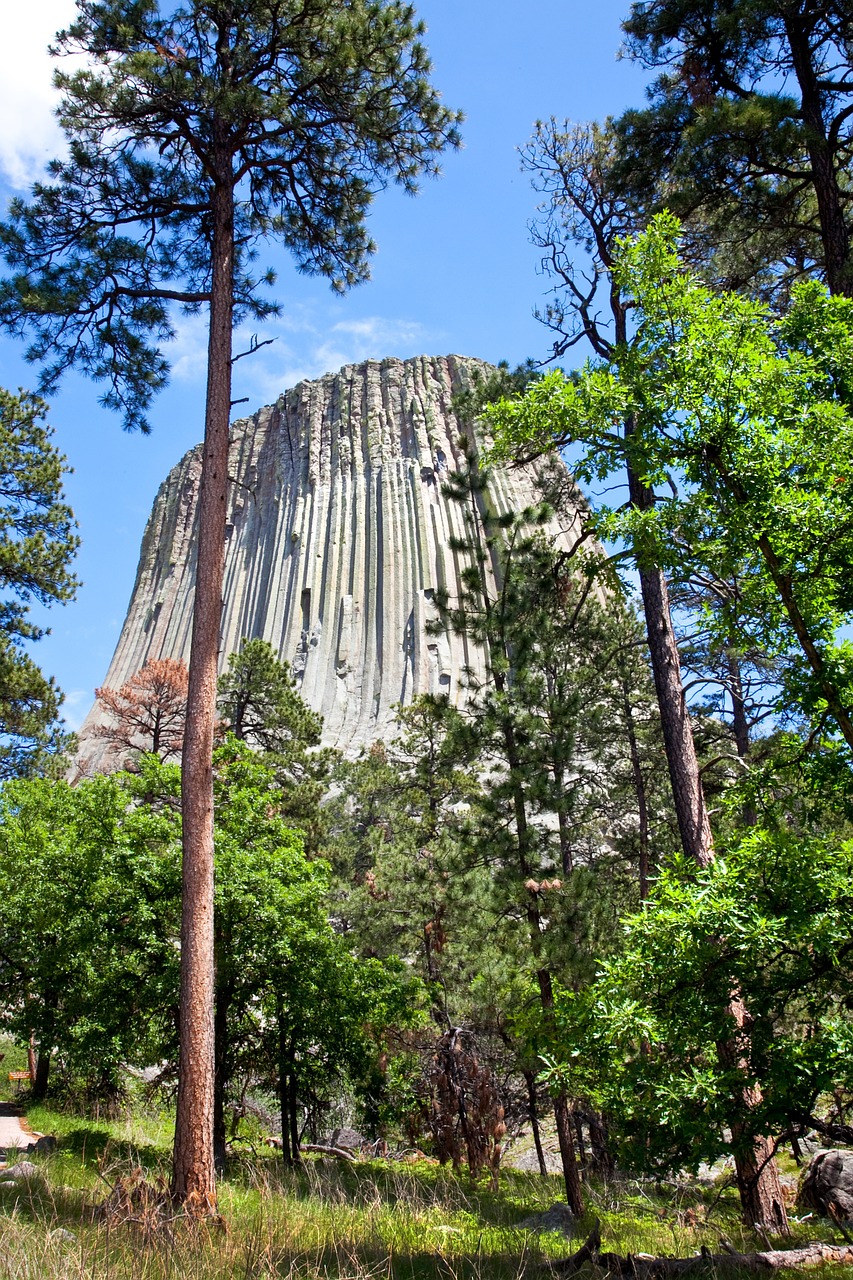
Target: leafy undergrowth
x=377 y=1219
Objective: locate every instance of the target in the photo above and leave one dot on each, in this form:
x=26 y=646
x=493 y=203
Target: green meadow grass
x=378 y=1220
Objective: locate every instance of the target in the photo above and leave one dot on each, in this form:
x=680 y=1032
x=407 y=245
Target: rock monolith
x=338 y=537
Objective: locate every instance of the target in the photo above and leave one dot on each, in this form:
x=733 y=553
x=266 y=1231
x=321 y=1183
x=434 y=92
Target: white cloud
x=306 y=345
x=29 y=134
x=312 y=348
x=187 y=353
x=76 y=706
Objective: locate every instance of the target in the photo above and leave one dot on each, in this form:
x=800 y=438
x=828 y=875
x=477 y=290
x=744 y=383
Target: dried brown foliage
x=466 y=1117
x=148 y=712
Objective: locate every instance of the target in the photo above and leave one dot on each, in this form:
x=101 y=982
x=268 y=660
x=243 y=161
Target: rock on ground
x=351 y=1139
x=827 y=1184
x=21 y=1172
x=558 y=1218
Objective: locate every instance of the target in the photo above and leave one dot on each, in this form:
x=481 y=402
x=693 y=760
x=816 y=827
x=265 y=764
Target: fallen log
x=325 y=1150
x=643 y=1266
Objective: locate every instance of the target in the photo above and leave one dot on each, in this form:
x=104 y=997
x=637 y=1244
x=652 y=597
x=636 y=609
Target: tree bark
x=691 y=813
x=41 y=1077
x=571 y=1177
x=574 y=1195
x=530 y=1081
x=833 y=226
x=602 y=1156
x=755 y=1164
x=193 y=1178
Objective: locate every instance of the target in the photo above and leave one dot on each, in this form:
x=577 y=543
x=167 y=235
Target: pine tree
x=148 y=713
x=541 y=724
x=260 y=705
x=395 y=840
x=37 y=543
x=747 y=135
x=196 y=133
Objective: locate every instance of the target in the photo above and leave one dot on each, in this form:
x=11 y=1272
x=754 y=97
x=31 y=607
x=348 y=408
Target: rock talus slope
x=338 y=536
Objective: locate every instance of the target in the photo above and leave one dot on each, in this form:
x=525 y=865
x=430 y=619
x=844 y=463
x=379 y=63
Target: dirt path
x=15 y=1133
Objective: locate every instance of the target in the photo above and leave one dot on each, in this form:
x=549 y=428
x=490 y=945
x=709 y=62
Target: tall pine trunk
x=562 y=1116
x=691 y=814
x=193 y=1178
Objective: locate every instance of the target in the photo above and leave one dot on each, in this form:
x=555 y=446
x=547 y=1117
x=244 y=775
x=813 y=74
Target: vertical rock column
x=338 y=537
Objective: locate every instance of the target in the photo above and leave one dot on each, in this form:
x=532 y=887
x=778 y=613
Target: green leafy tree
x=770 y=920
x=89 y=918
x=89 y=910
x=747 y=134
x=748 y=417
x=751 y=414
x=280 y=967
x=37 y=544
x=196 y=133
x=267 y=895
x=327 y=1015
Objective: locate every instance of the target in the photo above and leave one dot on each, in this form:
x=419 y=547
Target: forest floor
x=329 y=1219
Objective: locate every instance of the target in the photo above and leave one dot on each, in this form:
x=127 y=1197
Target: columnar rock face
x=338 y=536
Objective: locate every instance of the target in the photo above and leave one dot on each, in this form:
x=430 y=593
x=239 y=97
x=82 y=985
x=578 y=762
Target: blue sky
x=454 y=272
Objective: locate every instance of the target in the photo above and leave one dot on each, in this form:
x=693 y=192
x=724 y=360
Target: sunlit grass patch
x=377 y=1220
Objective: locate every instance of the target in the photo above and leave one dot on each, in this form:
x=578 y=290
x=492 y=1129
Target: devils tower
x=338 y=536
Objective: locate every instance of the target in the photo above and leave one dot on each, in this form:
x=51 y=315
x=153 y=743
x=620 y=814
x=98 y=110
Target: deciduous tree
x=769 y=920
x=89 y=914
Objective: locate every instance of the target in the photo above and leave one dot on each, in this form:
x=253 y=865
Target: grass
x=379 y=1219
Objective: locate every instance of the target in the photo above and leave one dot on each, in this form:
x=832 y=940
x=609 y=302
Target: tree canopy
x=750 y=415
x=747 y=134
x=299 y=111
